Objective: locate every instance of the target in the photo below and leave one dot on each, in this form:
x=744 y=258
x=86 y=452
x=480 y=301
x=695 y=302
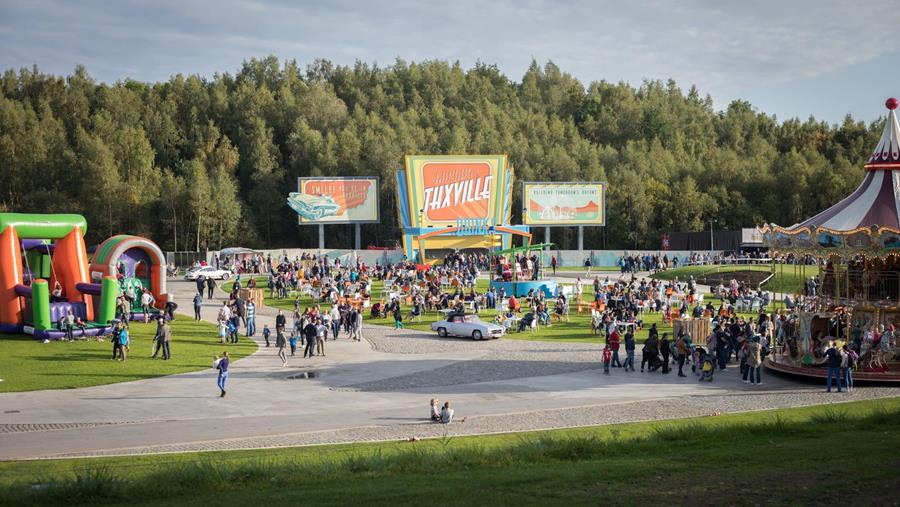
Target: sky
x=791 y=58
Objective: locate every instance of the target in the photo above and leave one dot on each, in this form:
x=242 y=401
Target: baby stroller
x=707 y=365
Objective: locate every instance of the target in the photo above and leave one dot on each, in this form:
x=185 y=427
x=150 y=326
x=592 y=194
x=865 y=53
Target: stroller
x=707 y=365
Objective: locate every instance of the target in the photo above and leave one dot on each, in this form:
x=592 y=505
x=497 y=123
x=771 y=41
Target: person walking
x=309 y=332
x=251 y=318
x=356 y=320
x=280 y=343
x=681 y=353
x=221 y=364
x=335 y=321
x=166 y=333
x=114 y=338
x=664 y=350
x=398 y=317
x=614 y=344
x=123 y=343
x=157 y=338
x=280 y=322
x=754 y=361
x=835 y=358
x=848 y=363
x=292 y=341
x=210 y=287
x=607 y=359
x=629 y=351
x=321 y=335
x=266 y=334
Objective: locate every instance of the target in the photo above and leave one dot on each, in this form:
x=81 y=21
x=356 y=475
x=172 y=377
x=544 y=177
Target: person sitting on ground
x=447 y=413
x=435 y=411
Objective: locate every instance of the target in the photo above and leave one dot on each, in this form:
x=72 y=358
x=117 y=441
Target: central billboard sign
x=446 y=189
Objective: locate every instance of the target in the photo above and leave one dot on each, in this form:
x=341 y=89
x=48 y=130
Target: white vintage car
x=207 y=272
x=459 y=324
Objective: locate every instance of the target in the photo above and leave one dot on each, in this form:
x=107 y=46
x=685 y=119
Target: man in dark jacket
x=834 y=365
x=210 y=287
x=664 y=350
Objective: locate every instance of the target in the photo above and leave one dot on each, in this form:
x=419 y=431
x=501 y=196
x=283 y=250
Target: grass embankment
x=784 y=457
x=27 y=364
x=788 y=278
x=577 y=329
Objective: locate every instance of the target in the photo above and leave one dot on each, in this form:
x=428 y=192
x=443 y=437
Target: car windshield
x=472 y=318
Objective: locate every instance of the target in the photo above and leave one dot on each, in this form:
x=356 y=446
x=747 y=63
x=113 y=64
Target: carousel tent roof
x=877 y=199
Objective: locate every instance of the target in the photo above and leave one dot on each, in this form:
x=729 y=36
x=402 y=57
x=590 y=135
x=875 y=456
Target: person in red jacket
x=607 y=354
x=614 y=342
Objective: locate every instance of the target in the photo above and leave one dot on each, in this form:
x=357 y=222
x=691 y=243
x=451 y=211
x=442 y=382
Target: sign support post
x=546 y=234
x=321 y=237
x=357 y=244
x=580 y=238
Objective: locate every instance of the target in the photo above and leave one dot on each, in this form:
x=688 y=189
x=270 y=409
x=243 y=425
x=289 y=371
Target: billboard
x=445 y=189
x=573 y=203
x=335 y=200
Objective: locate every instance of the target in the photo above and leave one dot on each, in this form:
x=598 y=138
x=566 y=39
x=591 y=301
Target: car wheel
x=442 y=332
x=226 y=276
x=476 y=335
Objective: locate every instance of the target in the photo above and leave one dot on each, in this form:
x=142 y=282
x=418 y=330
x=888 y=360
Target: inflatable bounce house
x=37 y=252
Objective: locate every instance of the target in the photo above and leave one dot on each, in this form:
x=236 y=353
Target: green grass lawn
x=788 y=278
x=781 y=457
x=577 y=329
x=27 y=364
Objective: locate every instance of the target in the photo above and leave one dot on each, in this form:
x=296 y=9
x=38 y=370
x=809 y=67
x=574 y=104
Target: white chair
x=534 y=324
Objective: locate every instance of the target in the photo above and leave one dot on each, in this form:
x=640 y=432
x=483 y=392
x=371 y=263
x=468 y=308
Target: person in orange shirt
x=514 y=304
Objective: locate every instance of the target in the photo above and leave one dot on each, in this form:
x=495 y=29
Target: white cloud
x=727 y=48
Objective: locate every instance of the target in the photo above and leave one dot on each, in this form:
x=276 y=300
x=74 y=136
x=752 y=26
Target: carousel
x=852 y=295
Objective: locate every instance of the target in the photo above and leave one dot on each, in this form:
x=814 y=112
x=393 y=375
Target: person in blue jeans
x=221 y=364
x=848 y=362
x=834 y=365
x=629 y=350
x=251 y=318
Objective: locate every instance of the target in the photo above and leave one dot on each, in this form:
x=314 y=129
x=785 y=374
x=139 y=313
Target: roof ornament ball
x=891 y=103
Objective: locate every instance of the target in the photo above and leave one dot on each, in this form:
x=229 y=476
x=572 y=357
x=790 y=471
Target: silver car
x=459 y=324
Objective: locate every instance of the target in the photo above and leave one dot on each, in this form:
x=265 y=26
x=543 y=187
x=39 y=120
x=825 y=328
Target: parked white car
x=459 y=324
x=208 y=272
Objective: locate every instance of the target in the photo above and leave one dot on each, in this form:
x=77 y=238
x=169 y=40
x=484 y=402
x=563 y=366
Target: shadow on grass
x=720 y=442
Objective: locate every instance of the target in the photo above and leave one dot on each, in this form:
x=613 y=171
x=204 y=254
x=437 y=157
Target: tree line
x=207 y=162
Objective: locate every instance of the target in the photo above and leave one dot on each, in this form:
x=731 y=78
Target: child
x=293 y=343
x=223 y=330
x=607 y=359
x=435 y=410
x=266 y=334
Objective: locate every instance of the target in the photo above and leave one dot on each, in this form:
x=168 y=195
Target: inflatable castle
x=39 y=252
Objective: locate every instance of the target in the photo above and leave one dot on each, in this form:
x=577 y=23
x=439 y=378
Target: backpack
x=852 y=356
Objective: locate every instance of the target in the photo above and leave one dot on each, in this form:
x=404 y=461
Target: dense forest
x=209 y=162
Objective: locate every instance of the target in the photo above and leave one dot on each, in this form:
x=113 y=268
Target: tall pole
x=546 y=234
x=321 y=238
x=711 y=243
x=358 y=239
x=580 y=238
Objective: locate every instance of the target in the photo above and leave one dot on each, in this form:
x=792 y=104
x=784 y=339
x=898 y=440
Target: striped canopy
x=877 y=200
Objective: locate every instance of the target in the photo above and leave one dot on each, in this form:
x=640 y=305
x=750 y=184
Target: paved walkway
x=377 y=389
